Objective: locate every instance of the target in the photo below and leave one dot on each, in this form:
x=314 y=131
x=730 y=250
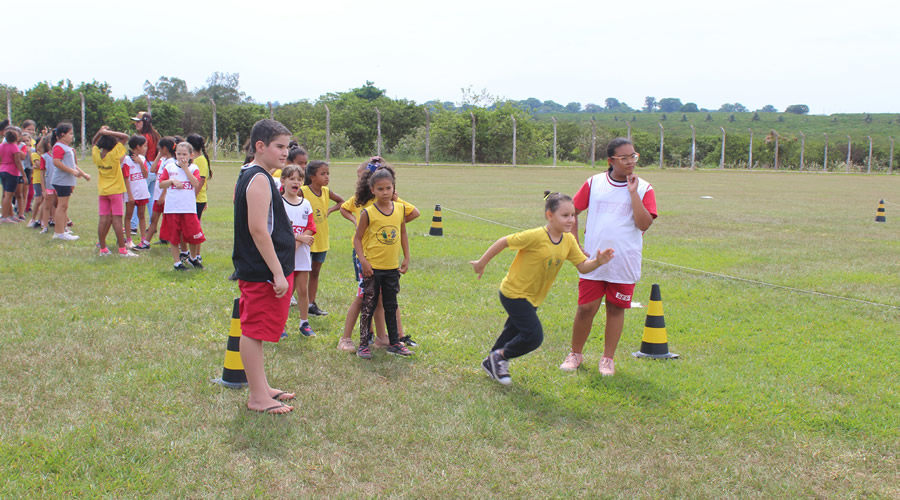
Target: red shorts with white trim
x=617 y=294
x=263 y=315
x=140 y=203
x=158 y=207
x=181 y=227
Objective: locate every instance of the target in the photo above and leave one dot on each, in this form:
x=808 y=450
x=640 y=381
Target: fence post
x=594 y=141
x=378 y=143
x=750 y=154
x=629 y=130
x=554 y=140
x=473 y=136
x=722 y=158
x=869 y=167
x=802 y=148
x=514 y=139
x=777 y=139
x=237 y=143
x=9 y=108
x=83 y=144
x=327 y=133
x=427 y=136
x=849 y=144
x=891 y=161
x=693 y=145
x=271 y=111
x=825 y=160
x=148 y=105
x=215 y=132
x=662 y=140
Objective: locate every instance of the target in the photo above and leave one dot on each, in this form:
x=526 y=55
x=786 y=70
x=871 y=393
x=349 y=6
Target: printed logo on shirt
x=387 y=235
x=136 y=177
x=553 y=262
x=621 y=296
x=318 y=216
x=299 y=229
x=186 y=185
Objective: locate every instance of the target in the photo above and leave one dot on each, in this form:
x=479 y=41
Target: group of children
x=178 y=188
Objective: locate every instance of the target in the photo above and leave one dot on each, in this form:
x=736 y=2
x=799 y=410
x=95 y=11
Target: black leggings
x=522 y=332
x=386 y=283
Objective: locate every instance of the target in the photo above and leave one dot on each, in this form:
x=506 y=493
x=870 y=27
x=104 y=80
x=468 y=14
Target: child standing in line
x=107 y=153
x=165 y=155
x=22 y=198
x=10 y=172
x=620 y=207
x=181 y=179
x=380 y=236
x=64 y=177
x=37 y=183
x=300 y=213
x=350 y=209
x=47 y=169
x=201 y=159
x=29 y=129
x=263 y=257
x=317 y=192
x=540 y=253
x=135 y=170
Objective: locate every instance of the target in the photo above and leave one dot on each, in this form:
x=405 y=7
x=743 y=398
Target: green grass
x=107 y=362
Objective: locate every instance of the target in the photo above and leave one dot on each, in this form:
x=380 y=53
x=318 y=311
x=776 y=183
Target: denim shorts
x=318 y=256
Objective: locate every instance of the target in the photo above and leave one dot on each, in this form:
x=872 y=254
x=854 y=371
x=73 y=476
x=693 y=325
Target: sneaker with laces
x=184 y=256
x=179 y=266
x=572 y=362
x=32 y=223
x=364 y=352
x=408 y=341
x=196 y=263
x=143 y=246
x=315 y=311
x=346 y=345
x=64 y=236
x=307 y=330
x=607 y=367
x=45 y=230
x=127 y=253
x=497 y=367
x=104 y=252
x=399 y=349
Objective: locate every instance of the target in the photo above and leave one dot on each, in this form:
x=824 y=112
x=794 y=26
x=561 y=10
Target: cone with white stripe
x=879 y=214
x=233 y=375
x=655 y=343
x=437 y=224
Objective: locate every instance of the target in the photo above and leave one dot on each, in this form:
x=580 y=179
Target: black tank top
x=248 y=262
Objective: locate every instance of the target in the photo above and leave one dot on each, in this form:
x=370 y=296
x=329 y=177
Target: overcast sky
x=835 y=56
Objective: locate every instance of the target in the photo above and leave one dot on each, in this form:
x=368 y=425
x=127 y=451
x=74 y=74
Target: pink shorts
x=112 y=204
x=617 y=294
x=263 y=315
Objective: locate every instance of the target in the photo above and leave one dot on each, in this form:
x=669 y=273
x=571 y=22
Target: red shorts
x=140 y=203
x=617 y=294
x=263 y=315
x=111 y=204
x=158 y=207
x=181 y=227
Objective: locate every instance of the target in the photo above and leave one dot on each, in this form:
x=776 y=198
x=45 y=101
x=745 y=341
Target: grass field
x=107 y=362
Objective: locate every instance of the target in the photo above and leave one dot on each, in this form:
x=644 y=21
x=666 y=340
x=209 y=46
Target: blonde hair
x=185 y=145
x=290 y=170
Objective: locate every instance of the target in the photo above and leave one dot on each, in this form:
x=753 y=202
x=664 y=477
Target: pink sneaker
x=607 y=367
x=346 y=345
x=572 y=362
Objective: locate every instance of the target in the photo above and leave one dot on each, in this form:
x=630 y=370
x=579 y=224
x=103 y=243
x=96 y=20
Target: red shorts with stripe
x=181 y=227
x=617 y=294
x=139 y=203
x=263 y=315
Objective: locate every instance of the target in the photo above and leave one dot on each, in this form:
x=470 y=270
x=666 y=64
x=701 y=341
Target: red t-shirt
x=151 y=147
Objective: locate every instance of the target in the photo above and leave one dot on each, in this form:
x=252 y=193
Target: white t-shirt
x=182 y=200
x=136 y=178
x=157 y=191
x=302 y=219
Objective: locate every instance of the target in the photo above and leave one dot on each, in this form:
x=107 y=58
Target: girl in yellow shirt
x=540 y=254
x=317 y=192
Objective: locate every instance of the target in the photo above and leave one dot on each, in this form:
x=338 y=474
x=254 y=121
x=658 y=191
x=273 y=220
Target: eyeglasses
x=633 y=156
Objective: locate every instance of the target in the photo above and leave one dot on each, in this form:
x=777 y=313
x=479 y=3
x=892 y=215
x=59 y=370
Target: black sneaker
x=399 y=349
x=307 y=330
x=364 y=352
x=196 y=263
x=142 y=246
x=184 y=256
x=315 y=311
x=233 y=276
x=498 y=368
x=134 y=230
x=180 y=266
x=408 y=341
x=284 y=335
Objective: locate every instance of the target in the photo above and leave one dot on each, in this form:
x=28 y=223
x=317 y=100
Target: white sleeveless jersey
x=301 y=216
x=184 y=199
x=136 y=178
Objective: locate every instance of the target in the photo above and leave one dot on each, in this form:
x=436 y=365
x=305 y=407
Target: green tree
x=650 y=104
x=797 y=109
x=573 y=107
x=224 y=89
x=669 y=105
x=168 y=89
x=689 y=107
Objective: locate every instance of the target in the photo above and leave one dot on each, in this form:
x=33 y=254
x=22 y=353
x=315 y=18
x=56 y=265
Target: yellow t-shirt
x=36 y=166
x=203 y=165
x=110 y=180
x=351 y=206
x=277 y=174
x=537 y=263
x=381 y=241
x=320 y=214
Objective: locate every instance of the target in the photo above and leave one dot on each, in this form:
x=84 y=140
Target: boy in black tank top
x=263 y=258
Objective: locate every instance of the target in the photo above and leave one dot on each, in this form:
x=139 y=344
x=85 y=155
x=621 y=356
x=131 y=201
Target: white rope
x=708 y=273
x=892 y=203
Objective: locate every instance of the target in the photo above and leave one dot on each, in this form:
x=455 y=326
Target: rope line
x=708 y=273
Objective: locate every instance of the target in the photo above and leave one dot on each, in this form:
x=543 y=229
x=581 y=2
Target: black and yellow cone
x=655 y=343
x=233 y=375
x=437 y=224
x=879 y=214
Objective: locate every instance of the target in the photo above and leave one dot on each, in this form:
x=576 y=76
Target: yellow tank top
x=320 y=214
x=381 y=241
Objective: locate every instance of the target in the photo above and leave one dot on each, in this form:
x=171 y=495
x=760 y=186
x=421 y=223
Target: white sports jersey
x=182 y=200
x=136 y=178
x=302 y=219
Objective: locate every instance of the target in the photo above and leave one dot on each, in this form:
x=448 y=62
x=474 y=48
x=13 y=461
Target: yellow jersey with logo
x=319 y=205
x=381 y=241
x=110 y=181
x=351 y=206
x=537 y=262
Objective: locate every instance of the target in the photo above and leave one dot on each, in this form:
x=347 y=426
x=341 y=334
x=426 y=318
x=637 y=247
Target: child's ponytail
x=61 y=129
x=196 y=141
x=552 y=200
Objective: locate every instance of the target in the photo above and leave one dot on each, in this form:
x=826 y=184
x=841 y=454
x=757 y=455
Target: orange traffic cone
x=655 y=343
x=879 y=214
x=233 y=375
